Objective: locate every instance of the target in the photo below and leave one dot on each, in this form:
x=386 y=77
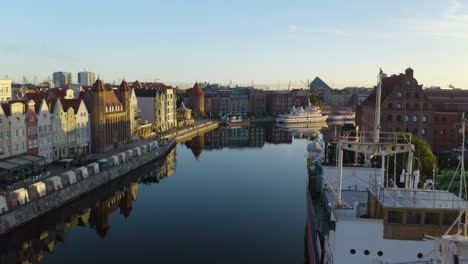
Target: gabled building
x=5 y=141
x=59 y=123
x=32 y=137
x=78 y=129
x=434 y=115
x=44 y=118
x=110 y=116
x=14 y=111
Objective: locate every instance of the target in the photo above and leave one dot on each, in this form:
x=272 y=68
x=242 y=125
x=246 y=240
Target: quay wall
x=16 y=217
x=191 y=132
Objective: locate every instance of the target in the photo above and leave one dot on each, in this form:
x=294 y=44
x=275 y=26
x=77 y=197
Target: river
x=232 y=195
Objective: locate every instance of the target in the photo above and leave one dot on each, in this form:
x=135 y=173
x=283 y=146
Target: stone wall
x=53 y=200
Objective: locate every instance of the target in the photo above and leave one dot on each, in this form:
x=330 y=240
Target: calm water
x=229 y=196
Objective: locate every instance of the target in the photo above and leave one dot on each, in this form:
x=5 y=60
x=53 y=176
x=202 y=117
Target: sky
x=264 y=42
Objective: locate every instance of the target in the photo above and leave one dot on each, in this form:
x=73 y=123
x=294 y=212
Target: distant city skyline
x=268 y=43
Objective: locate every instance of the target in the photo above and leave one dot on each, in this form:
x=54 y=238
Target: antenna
x=462 y=165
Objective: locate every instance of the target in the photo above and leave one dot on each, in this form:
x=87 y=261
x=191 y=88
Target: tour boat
x=311 y=114
x=363 y=214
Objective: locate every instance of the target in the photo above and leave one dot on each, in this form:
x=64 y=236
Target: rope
x=453 y=177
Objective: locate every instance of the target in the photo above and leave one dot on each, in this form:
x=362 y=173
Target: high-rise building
x=86 y=78
x=5 y=89
x=62 y=78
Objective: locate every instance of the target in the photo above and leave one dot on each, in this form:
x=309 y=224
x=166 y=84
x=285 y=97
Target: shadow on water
x=28 y=243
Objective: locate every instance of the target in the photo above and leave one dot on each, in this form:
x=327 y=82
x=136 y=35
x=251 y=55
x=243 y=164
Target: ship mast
x=462 y=160
x=378 y=100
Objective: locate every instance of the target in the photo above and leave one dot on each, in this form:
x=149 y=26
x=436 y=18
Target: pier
x=96 y=176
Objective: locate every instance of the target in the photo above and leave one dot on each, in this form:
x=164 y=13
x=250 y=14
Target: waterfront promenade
x=65 y=193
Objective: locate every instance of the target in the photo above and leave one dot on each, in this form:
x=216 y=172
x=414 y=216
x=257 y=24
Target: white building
x=5 y=143
x=158 y=105
x=77 y=129
x=5 y=89
x=59 y=123
x=44 y=123
x=134 y=111
x=86 y=78
x=16 y=117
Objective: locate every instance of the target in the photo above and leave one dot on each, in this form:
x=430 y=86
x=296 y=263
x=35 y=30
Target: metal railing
x=414 y=198
x=384 y=137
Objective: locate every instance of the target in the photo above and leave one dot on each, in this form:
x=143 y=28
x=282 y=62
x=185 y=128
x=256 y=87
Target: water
x=230 y=196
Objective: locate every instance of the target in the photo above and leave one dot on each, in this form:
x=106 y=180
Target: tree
x=424 y=159
x=423 y=152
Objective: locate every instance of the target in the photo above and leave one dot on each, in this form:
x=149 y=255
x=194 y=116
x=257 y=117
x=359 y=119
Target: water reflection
x=250 y=137
x=29 y=243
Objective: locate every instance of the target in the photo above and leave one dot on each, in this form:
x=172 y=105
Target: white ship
x=359 y=214
x=299 y=115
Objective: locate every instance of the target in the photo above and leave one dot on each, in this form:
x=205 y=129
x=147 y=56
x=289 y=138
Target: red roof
x=195 y=91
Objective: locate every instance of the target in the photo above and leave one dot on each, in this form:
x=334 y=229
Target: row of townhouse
x=54 y=129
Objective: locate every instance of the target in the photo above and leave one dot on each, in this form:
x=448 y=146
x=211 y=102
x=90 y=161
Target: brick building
x=278 y=103
x=110 y=116
x=433 y=115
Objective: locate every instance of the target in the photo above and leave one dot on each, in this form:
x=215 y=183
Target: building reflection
x=29 y=243
x=238 y=137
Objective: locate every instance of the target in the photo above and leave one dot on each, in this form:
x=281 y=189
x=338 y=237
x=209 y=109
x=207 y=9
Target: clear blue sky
x=264 y=41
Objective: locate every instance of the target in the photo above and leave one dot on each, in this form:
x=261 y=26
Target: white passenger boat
x=310 y=114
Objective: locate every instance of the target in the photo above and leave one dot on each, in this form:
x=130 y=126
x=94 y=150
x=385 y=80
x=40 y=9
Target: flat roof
x=19 y=161
x=419 y=199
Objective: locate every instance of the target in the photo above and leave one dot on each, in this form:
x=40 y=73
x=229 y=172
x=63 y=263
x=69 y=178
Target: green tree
x=423 y=152
x=424 y=159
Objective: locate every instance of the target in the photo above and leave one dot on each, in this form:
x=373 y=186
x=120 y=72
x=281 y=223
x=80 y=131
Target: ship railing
x=414 y=198
x=384 y=137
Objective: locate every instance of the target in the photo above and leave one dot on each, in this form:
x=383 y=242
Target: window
x=415 y=131
x=398 y=106
x=432 y=219
x=407 y=106
x=415 y=118
x=442 y=132
x=416 y=95
x=413 y=218
x=398 y=94
x=390 y=106
x=398 y=118
x=389 y=117
x=406 y=118
x=448 y=218
x=424 y=118
x=394 y=217
x=423 y=131
x=444 y=119
x=416 y=106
